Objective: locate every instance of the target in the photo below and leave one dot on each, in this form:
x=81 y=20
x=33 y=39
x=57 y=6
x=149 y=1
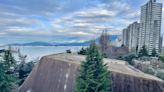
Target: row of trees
x=144 y=52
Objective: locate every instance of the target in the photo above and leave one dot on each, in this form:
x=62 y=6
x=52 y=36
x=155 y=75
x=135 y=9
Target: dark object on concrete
x=68 y=51
x=57 y=73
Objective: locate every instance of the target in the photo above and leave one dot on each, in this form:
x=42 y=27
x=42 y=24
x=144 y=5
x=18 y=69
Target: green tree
x=93 y=75
x=129 y=58
x=23 y=69
x=154 y=53
x=122 y=45
x=161 y=58
x=143 y=52
x=136 y=49
x=7 y=77
x=83 y=51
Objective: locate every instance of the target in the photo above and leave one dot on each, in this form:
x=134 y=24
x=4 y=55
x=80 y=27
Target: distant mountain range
x=52 y=44
x=86 y=43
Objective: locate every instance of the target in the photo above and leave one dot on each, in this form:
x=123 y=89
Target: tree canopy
x=93 y=75
x=7 y=77
x=143 y=52
x=154 y=53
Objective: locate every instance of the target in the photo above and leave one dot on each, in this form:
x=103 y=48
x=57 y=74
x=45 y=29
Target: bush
x=24 y=70
x=161 y=58
x=83 y=51
x=129 y=58
x=149 y=71
x=160 y=75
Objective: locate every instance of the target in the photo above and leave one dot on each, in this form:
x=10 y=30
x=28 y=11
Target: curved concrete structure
x=57 y=73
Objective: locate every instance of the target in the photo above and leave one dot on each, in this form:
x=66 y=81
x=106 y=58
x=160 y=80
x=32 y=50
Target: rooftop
x=113 y=65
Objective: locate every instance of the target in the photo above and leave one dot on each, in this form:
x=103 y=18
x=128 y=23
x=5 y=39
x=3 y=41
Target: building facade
x=130 y=36
x=125 y=37
x=150 y=26
x=148 y=31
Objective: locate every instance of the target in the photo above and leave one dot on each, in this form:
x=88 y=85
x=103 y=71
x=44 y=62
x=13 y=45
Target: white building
x=125 y=37
x=148 y=31
x=150 y=26
x=130 y=36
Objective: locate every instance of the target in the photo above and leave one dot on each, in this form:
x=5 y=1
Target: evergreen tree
x=7 y=78
x=83 y=51
x=122 y=45
x=93 y=75
x=136 y=49
x=23 y=69
x=143 y=52
x=154 y=53
x=8 y=59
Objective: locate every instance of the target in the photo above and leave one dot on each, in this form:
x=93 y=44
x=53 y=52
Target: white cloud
x=95 y=12
x=3 y=33
x=60 y=31
x=19 y=30
x=68 y=19
x=121 y=5
x=26 y=20
x=18 y=21
x=161 y=1
x=134 y=14
x=23 y=31
x=81 y=25
x=80 y=33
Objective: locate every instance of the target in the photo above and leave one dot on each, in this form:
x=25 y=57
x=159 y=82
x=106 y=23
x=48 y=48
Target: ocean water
x=36 y=52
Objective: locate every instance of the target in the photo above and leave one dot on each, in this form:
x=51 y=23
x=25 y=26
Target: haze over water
x=36 y=52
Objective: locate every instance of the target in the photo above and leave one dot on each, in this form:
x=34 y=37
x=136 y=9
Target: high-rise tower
x=150 y=26
x=130 y=36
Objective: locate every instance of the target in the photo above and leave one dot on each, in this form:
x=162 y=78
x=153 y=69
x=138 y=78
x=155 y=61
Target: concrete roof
x=113 y=65
x=57 y=73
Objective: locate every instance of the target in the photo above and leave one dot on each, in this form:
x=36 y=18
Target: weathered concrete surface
x=56 y=73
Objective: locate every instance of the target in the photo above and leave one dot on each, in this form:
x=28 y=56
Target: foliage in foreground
x=93 y=75
x=24 y=69
x=13 y=74
x=7 y=77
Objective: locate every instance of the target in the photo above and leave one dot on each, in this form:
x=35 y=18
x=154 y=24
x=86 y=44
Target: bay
x=36 y=52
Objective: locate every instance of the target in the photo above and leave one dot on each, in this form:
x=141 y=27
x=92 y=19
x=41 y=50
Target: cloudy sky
x=64 y=20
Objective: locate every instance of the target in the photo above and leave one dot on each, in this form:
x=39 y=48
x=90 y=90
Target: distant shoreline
x=40 y=46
